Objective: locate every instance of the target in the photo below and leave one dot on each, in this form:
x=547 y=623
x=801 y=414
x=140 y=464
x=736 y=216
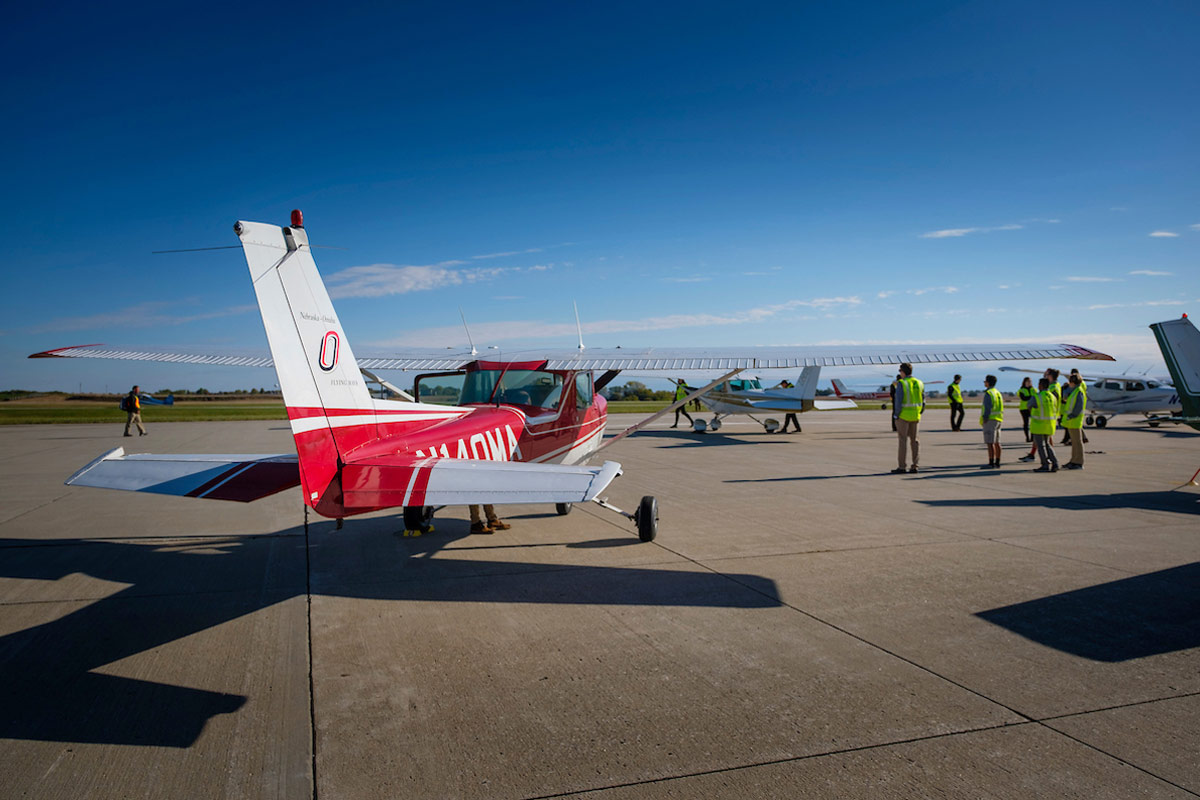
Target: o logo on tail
x=329 y=351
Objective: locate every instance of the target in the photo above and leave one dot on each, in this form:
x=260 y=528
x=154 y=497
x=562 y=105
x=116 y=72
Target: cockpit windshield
x=742 y=384
x=522 y=387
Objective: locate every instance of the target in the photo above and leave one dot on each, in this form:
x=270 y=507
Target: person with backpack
x=132 y=406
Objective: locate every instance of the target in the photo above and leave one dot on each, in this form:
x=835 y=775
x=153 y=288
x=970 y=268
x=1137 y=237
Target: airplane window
x=523 y=387
x=583 y=390
x=442 y=390
x=1112 y=385
x=1098 y=385
x=1134 y=386
x=1152 y=384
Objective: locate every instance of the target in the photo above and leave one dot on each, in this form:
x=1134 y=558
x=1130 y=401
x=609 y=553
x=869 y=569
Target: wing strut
x=681 y=402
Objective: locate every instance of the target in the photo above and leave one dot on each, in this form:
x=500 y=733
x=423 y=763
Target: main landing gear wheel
x=1090 y=420
x=715 y=425
x=1101 y=422
x=562 y=509
x=418 y=520
x=699 y=426
x=646 y=518
x=1153 y=424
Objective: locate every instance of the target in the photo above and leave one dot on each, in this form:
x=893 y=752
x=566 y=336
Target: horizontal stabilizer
x=833 y=405
x=214 y=477
x=407 y=481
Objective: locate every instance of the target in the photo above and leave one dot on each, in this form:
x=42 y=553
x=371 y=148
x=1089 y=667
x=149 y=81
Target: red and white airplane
x=522 y=431
x=844 y=392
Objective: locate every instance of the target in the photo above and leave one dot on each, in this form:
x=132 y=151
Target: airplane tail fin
x=839 y=388
x=806 y=384
x=1180 y=344
x=330 y=409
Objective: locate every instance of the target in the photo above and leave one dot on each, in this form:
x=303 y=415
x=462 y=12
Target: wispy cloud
x=1195 y=227
x=928 y=290
x=886 y=294
x=143 y=315
x=1090 y=279
x=1100 y=306
x=491 y=332
x=509 y=253
x=1150 y=272
x=1164 y=235
x=950 y=233
x=689 y=279
x=380 y=280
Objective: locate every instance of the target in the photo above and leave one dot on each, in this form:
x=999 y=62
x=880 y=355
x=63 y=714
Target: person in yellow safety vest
x=991 y=415
x=1051 y=376
x=133 y=408
x=910 y=402
x=681 y=391
x=1024 y=394
x=957 y=411
x=1043 y=420
x=1073 y=411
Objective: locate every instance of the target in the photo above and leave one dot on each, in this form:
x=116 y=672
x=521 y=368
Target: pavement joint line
x=789 y=760
x=52 y=501
x=156 y=540
x=1118 y=707
x=312 y=695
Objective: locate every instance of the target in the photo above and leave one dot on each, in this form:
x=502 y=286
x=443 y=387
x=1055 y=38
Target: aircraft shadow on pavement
x=1177 y=502
x=52 y=687
x=687 y=438
x=1130 y=618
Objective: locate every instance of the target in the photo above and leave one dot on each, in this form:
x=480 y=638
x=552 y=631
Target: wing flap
x=408 y=481
x=240 y=478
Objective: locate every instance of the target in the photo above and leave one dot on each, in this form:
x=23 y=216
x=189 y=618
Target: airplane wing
x=213 y=477
x=648 y=359
x=1088 y=376
x=406 y=480
x=375 y=483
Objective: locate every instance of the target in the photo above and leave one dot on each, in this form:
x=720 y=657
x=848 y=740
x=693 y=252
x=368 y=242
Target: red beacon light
x=297 y=218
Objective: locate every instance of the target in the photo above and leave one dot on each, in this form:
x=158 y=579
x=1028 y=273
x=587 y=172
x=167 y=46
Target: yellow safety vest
x=1075 y=422
x=955 y=392
x=1024 y=394
x=680 y=392
x=911 y=394
x=1044 y=416
x=997 y=407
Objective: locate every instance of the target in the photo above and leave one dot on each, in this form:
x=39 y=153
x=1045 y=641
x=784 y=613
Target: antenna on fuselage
x=578 y=327
x=474 y=352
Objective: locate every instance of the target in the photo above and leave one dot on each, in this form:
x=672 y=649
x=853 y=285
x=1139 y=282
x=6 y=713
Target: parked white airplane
x=747 y=395
x=1110 y=395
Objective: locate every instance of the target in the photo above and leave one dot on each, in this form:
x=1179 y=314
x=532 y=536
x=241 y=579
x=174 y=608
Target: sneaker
x=498 y=525
x=129 y=434
x=899 y=471
x=1042 y=469
x=480 y=527
x=1054 y=468
x=988 y=465
x=1026 y=458
x=913 y=468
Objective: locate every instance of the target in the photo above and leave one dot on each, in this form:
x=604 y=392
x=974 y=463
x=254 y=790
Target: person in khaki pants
x=1074 y=407
x=133 y=407
x=910 y=402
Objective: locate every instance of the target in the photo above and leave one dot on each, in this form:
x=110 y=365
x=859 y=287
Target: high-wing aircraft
x=1110 y=395
x=522 y=429
x=747 y=395
x=1179 y=342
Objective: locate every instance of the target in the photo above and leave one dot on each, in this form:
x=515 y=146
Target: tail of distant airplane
x=840 y=389
x=1180 y=344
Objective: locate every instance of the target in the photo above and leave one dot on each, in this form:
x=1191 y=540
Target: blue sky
x=690 y=174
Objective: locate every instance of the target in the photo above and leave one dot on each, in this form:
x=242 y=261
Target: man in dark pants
x=954 y=391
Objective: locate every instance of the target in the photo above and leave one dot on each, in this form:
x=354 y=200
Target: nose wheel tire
x=1101 y=422
x=646 y=518
x=562 y=509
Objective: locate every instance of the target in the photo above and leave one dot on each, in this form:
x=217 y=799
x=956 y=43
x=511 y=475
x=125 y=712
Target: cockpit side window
x=583 y=390
x=1113 y=385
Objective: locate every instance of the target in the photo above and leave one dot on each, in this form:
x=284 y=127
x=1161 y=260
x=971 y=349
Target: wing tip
x=55 y=353
x=1087 y=354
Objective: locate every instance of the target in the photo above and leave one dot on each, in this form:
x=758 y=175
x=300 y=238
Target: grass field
x=58 y=409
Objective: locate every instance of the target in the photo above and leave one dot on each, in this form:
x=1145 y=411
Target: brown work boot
x=498 y=524
x=480 y=527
